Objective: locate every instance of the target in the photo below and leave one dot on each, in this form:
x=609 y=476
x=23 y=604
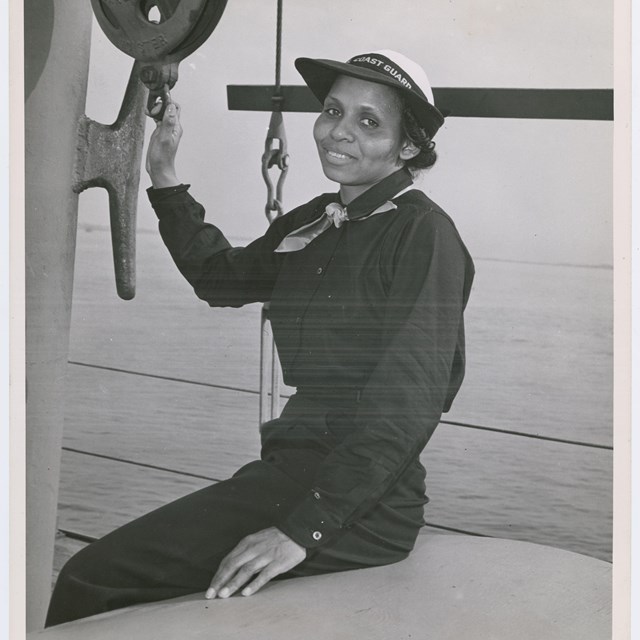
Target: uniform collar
x=379 y=194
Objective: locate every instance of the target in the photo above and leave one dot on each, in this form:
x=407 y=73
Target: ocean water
x=540 y=362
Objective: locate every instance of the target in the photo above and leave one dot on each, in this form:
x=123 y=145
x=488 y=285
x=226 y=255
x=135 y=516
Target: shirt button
x=316 y=495
x=319 y=270
x=316 y=535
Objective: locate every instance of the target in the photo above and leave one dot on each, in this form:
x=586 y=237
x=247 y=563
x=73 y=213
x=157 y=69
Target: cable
x=140 y=464
x=522 y=434
x=85 y=538
x=77 y=536
x=73 y=535
x=278 y=47
x=535 y=436
x=160 y=377
x=463 y=531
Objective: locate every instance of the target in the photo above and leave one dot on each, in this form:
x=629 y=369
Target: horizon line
x=89 y=227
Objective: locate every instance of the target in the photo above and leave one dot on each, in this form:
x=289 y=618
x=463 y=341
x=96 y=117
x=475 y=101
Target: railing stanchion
x=266 y=342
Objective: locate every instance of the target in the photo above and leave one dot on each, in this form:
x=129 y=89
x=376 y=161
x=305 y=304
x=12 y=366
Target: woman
x=367 y=289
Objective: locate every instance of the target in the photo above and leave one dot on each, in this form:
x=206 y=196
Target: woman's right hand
x=163 y=146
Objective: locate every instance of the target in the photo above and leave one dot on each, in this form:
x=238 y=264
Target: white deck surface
x=451 y=588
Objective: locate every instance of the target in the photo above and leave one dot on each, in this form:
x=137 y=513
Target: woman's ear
x=408 y=150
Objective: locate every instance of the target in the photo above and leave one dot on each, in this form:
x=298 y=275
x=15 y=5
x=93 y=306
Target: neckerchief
x=376 y=199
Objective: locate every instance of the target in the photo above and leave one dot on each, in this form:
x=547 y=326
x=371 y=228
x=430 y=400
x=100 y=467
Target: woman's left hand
x=267 y=553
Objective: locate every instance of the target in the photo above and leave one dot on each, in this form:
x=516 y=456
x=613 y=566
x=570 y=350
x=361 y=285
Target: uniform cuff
x=162 y=193
x=309 y=524
x=166 y=199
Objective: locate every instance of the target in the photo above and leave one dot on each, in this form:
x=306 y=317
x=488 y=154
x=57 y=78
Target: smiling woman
x=367 y=289
x=359 y=135
x=369 y=126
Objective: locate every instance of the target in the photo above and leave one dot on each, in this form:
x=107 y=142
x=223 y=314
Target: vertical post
x=269 y=371
x=57 y=39
x=265 y=342
x=275 y=382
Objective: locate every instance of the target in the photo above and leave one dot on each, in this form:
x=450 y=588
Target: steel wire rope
x=83 y=537
x=136 y=463
x=467 y=425
x=74 y=535
x=278 y=47
x=456 y=530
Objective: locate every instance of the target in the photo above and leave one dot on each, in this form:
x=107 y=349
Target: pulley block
x=163 y=31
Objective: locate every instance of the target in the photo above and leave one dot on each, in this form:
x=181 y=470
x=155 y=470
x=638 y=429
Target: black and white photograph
x=319 y=330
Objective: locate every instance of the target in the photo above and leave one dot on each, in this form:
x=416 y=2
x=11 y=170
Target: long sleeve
x=404 y=397
x=220 y=274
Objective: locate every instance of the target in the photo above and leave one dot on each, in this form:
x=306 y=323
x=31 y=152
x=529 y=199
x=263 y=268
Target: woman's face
x=359 y=135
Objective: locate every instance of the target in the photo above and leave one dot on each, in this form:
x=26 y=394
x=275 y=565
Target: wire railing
x=81 y=537
x=524 y=434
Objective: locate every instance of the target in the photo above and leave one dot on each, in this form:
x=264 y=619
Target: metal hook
x=159 y=79
x=275 y=156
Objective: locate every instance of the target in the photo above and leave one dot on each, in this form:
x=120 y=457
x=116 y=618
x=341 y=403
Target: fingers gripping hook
x=159 y=79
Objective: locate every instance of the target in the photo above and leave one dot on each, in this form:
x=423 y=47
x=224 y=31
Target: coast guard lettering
x=386 y=66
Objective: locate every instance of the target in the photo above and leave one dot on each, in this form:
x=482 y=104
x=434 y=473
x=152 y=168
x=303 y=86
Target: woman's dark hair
x=416 y=134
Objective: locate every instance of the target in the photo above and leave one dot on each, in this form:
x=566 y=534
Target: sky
x=529 y=190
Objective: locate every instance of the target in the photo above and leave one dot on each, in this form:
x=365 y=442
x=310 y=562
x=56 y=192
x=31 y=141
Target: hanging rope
x=275 y=154
x=275 y=145
x=278 y=47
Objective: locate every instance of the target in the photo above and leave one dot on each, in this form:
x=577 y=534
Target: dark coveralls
x=368 y=321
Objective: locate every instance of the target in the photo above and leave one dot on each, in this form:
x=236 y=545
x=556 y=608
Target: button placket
x=306 y=296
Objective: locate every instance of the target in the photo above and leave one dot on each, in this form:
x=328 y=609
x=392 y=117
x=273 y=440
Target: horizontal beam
x=548 y=104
